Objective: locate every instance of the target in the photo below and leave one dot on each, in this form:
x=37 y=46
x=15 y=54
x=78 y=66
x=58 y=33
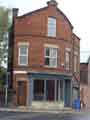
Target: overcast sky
x=77 y=12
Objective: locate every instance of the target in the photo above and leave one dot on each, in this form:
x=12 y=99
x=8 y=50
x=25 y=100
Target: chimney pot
x=15 y=12
x=52 y=3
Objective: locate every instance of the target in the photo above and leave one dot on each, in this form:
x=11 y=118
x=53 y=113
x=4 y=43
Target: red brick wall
x=36 y=51
x=35 y=25
x=84 y=73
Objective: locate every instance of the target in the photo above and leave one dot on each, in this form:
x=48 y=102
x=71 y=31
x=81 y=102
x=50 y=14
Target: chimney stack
x=15 y=12
x=52 y=3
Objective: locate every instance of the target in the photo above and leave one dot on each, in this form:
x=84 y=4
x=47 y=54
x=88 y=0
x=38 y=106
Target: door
x=67 y=93
x=50 y=90
x=38 y=90
x=21 y=93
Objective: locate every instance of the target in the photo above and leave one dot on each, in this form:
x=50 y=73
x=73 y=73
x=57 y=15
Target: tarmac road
x=43 y=116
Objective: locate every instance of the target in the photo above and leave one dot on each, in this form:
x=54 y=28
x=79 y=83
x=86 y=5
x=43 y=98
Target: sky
x=77 y=12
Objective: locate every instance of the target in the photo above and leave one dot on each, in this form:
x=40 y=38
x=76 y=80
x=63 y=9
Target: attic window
x=51 y=27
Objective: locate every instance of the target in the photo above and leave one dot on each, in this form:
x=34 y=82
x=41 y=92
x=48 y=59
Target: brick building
x=85 y=83
x=45 y=57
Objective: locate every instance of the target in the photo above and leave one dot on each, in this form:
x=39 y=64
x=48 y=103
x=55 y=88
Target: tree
x=4 y=26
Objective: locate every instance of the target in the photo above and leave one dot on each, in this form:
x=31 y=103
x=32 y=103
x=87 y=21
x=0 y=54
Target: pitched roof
x=33 y=12
x=44 y=8
x=65 y=17
x=76 y=36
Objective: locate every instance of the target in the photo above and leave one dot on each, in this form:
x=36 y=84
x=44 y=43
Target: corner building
x=45 y=58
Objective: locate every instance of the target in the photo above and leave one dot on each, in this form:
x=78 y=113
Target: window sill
x=46 y=66
x=53 y=37
x=22 y=65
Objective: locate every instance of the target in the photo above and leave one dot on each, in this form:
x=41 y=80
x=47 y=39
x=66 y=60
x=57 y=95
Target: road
x=43 y=116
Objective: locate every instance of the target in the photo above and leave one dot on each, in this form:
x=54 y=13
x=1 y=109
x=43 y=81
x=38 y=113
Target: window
x=51 y=27
x=67 y=59
x=75 y=63
x=23 y=55
x=61 y=90
x=51 y=57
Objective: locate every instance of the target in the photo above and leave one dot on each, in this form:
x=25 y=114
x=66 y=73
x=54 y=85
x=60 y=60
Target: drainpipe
x=72 y=70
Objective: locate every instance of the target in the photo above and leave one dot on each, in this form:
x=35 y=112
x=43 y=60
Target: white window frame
x=50 y=57
x=26 y=55
x=51 y=27
x=67 y=67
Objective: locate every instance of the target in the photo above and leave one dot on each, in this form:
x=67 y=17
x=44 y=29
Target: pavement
x=20 y=113
x=62 y=111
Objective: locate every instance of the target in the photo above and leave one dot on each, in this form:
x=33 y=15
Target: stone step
x=47 y=105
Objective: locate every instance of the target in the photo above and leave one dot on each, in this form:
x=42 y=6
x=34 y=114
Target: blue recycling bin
x=77 y=104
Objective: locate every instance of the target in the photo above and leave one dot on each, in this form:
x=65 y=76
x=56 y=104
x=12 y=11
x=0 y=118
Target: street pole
x=6 y=94
x=6 y=84
x=6 y=87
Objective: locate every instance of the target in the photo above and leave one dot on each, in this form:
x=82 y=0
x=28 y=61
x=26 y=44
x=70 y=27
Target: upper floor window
x=51 y=57
x=67 y=60
x=23 y=55
x=51 y=27
x=75 y=63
